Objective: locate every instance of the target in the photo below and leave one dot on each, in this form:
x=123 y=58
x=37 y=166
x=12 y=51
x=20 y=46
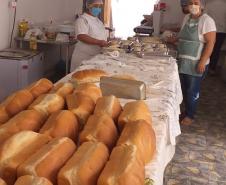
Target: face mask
x=95 y=11
x=194 y=9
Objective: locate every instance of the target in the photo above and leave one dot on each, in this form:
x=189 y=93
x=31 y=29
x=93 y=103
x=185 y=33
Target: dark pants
x=190 y=86
x=220 y=37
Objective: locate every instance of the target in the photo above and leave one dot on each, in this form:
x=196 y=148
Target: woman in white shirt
x=90 y=32
x=195 y=45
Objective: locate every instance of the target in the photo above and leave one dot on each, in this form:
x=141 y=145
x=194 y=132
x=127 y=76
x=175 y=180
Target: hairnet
x=88 y=2
x=183 y=2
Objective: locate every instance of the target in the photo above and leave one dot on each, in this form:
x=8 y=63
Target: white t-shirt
x=206 y=25
x=92 y=26
x=217 y=10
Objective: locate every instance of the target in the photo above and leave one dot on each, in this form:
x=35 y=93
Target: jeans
x=190 y=86
x=220 y=37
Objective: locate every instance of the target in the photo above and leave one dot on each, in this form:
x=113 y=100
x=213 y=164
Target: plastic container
x=33 y=42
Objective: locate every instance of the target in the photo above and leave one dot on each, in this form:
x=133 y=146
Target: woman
x=90 y=32
x=195 y=45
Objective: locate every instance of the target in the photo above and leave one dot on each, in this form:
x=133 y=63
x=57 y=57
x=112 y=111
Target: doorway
x=127 y=14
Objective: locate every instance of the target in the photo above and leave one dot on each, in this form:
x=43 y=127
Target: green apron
x=189 y=48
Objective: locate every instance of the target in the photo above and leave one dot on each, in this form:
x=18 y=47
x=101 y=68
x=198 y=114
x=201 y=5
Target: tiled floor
x=201 y=149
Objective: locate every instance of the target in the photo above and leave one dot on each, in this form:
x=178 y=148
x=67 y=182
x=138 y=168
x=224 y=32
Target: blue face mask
x=96 y=11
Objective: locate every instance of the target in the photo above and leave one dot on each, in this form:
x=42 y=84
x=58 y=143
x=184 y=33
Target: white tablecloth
x=163 y=98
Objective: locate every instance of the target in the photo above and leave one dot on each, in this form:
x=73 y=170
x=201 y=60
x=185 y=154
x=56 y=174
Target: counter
x=164 y=97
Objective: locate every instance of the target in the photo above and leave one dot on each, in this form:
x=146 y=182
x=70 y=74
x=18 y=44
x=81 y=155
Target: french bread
x=89 y=89
x=109 y=105
x=133 y=111
x=85 y=165
x=2 y=182
x=32 y=180
x=141 y=134
x=88 y=76
x=63 y=89
x=40 y=87
x=101 y=128
x=81 y=105
x=19 y=101
x=4 y=116
x=47 y=161
x=25 y=120
x=16 y=150
x=48 y=103
x=123 y=168
x=61 y=124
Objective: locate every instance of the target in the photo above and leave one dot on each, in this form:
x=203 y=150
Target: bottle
x=21 y=28
x=33 y=42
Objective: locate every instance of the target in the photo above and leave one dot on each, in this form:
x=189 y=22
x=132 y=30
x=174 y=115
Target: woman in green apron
x=195 y=45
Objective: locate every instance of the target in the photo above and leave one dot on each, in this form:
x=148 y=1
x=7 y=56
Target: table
x=66 y=44
x=164 y=97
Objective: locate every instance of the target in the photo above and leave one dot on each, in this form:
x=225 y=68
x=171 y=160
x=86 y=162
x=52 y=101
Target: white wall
x=173 y=14
x=37 y=11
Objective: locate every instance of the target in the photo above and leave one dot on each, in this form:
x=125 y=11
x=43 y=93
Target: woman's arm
x=207 y=51
x=89 y=40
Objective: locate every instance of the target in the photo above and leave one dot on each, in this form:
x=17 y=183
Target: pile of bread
x=71 y=135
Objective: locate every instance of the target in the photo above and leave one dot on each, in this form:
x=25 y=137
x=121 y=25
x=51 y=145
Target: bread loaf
x=48 y=160
x=32 y=180
x=109 y=105
x=89 y=89
x=81 y=105
x=16 y=150
x=141 y=134
x=123 y=168
x=25 y=120
x=124 y=77
x=101 y=128
x=40 y=87
x=85 y=165
x=4 y=116
x=88 y=76
x=63 y=89
x=19 y=101
x=2 y=182
x=48 y=103
x=61 y=124
x=133 y=111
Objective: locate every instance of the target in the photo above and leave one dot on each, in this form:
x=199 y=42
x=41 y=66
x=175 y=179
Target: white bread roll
x=88 y=76
x=25 y=120
x=101 y=128
x=141 y=134
x=133 y=111
x=123 y=168
x=32 y=180
x=48 y=103
x=16 y=150
x=89 y=89
x=109 y=105
x=63 y=89
x=2 y=182
x=18 y=101
x=40 y=87
x=47 y=161
x=61 y=124
x=81 y=105
x=85 y=165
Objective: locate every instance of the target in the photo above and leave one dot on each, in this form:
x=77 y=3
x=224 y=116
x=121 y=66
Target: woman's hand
x=201 y=67
x=103 y=43
x=172 y=40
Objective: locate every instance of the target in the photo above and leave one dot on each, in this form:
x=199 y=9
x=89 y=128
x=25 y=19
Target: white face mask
x=194 y=9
